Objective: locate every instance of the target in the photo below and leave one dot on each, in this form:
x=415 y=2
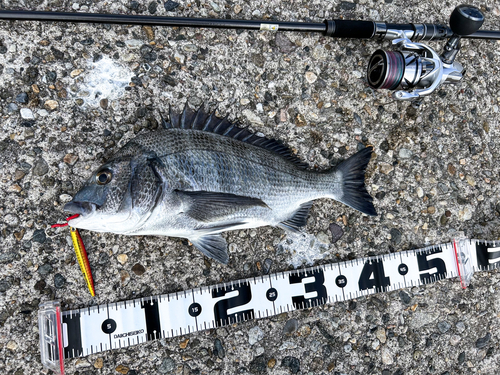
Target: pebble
x=284 y=44
x=22 y=98
x=122 y=369
x=255 y=334
x=11 y=345
x=70 y=159
x=258 y=365
x=124 y=277
x=380 y=334
x=336 y=231
x=267 y=266
x=347 y=348
x=81 y=363
x=385 y=168
x=444 y=326
x=103 y=258
x=290 y=326
x=76 y=72
x=470 y=180
x=421 y=318
x=405 y=298
x=39 y=236
x=148 y=30
x=292 y=363
x=167 y=365
x=59 y=281
x=483 y=341
x=45 y=269
x=252 y=118
x=396 y=236
x=386 y=356
x=300 y=120
x=41 y=167
x=179 y=57
x=122 y=258
x=190 y=48
x=170 y=5
x=460 y=326
x=134 y=43
x=221 y=353
x=27 y=114
x=237 y=8
x=465 y=214
x=404 y=153
x=51 y=105
x=138 y=269
x=152 y=7
x=288 y=345
x=271 y=363
x=420 y=192
x=11 y=220
x=215 y=6
x=311 y=77
x=461 y=357
x=443 y=188
x=183 y=344
x=4 y=286
x=99 y=363
x=12 y=107
x=454 y=340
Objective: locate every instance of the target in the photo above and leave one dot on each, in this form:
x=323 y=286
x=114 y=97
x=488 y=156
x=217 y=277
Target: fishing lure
x=81 y=254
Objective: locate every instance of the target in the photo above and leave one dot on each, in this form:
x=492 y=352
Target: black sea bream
x=201 y=175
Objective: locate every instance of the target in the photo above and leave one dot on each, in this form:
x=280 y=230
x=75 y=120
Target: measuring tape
x=85 y=331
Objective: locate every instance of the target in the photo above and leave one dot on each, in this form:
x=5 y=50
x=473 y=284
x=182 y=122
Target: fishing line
x=85 y=331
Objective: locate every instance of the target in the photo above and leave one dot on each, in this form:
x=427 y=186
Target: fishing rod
x=413 y=70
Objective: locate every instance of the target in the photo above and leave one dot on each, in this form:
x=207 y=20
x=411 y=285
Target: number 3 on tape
x=94 y=329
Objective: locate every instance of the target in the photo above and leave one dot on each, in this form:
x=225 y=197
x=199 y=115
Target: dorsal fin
x=209 y=122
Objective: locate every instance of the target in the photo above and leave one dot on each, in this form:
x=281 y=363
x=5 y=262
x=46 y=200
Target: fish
x=199 y=175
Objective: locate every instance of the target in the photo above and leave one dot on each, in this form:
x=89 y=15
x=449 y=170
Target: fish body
x=201 y=175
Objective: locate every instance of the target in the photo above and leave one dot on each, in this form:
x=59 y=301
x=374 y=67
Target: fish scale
x=201 y=175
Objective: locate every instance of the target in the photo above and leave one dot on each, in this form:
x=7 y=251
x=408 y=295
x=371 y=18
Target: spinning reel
x=417 y=70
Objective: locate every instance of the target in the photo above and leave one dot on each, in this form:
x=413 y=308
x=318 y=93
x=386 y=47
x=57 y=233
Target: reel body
x=415 y=67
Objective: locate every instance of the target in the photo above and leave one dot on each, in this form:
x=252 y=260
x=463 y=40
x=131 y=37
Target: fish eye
x=104 y=176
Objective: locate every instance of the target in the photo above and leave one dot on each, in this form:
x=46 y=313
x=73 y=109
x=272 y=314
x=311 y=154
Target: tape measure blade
x=173 y=314
x=122 y=324
x=93 y=338
x=130 y=322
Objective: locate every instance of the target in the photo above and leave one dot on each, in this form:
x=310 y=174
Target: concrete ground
x=434 y=176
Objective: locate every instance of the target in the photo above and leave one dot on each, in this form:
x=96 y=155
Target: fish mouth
x=80 y=208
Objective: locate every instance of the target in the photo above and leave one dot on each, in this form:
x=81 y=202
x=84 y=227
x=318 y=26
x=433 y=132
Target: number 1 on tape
x=81 y=332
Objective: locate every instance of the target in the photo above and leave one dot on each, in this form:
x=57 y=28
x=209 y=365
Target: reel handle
x=466 y=20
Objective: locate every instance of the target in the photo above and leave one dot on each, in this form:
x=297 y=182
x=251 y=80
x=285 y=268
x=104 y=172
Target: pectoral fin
x=213 y=246
x=208 y=206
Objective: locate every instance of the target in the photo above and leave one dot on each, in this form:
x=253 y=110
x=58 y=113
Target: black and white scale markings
x=117 y=325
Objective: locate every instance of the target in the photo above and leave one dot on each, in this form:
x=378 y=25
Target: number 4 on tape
x=81 y=332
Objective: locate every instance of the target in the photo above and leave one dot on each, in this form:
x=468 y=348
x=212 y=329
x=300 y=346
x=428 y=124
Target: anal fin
x=299 y=218
x=213 y=246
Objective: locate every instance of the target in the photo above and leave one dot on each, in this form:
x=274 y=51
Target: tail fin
x=354 y=192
